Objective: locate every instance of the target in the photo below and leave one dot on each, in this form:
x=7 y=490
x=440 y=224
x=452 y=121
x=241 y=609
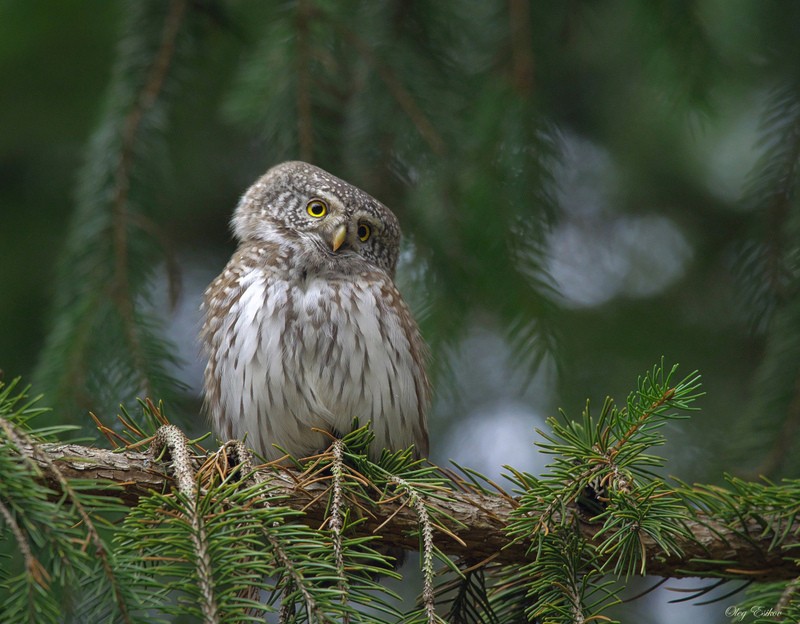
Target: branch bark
x=484 y=518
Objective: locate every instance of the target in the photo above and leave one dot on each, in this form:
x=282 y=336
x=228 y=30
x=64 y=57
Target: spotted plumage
x=305 y=329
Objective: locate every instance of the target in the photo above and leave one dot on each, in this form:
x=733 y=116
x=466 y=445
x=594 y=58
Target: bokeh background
x=585 y=187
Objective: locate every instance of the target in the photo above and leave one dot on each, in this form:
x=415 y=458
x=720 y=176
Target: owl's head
x=332 y=221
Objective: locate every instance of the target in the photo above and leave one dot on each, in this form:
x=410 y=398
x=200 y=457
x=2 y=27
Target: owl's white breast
x=315 y=353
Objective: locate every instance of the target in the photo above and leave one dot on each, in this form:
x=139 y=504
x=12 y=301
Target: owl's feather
x=301 y=337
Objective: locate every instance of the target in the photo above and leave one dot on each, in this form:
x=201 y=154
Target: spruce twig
x=170 y=438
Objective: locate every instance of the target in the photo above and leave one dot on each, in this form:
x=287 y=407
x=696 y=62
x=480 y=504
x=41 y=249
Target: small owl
x=305 y=328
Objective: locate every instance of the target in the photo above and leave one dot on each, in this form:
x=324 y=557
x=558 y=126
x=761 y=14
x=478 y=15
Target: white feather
x=287 y=387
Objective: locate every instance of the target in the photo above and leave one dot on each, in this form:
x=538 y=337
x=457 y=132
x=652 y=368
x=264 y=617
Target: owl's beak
x=338 y=237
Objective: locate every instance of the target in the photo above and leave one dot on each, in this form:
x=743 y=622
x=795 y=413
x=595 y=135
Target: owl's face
x=333 y=222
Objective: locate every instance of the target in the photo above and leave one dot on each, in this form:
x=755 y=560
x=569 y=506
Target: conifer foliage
x=224 y=540
x=454 y=114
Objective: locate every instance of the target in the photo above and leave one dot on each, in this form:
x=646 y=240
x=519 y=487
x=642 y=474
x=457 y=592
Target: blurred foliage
x=597 y=182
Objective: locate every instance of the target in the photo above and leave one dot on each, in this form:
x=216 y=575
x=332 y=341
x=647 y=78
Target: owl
x=305 y=330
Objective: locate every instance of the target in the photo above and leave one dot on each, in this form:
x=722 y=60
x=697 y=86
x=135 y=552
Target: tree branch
x=480 y=519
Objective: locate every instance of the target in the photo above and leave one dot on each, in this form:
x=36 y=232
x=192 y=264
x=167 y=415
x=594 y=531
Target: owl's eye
x=363 y=232
x=317 y=208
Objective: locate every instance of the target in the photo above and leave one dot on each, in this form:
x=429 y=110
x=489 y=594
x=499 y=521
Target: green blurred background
x=584 y=187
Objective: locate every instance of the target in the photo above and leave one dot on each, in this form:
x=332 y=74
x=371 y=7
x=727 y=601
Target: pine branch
x=305 y=82
x=398 y=90
x=172 y=439
x=716 y=548
x=426 y=528
x=19 y=438
x=105 y=340
x=336 y=511
x=133 y=121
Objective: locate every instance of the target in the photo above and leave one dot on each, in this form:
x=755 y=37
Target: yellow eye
x=363 y=232
x=317 y=208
